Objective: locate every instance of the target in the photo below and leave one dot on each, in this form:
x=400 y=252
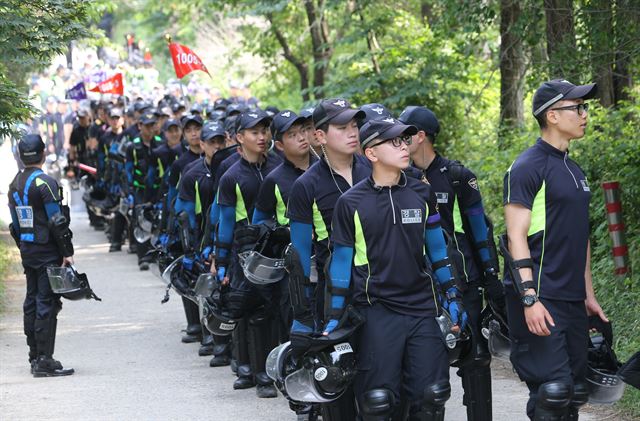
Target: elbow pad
x=59 y=227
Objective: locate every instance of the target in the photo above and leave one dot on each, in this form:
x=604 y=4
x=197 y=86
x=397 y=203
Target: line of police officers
x=385 y=233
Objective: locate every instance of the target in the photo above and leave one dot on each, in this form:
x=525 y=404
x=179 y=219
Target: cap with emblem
x=306 y=112
x=31 y=148
x=148 y=118
x=82 y=112
x=191 y=118
x=210 y=131
x=163 y=112
x=233 y=109
x=559 y=89
x=374 y=112
x=421 y=117
x=115 y=112
x=250 y=119
x=283 y=122
x=230 y=124
x=141 y=106
x=220 y=104
x=177 y=106
x=335 y=111
x=196 y=109
x=386 y=129
x=170 y=123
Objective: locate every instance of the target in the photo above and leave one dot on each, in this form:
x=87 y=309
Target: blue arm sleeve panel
x=226 y=227
x=189 y=208
x=301 y=238
x=475 y=213
x=214 y=217
x=101 y=161
x=173 y=192
x=129 y=169
x=437 y=250
x=51 y=208
x=261 y=216
x=340 y=272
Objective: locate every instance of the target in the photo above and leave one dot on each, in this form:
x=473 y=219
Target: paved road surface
x=129 y=361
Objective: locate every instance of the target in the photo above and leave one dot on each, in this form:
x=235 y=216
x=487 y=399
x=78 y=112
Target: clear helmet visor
x=261 y=270
x=205 y=285
x=499 y=345
x=166 y=275
x=301 y=387
x=274 y=361
x=63 y=279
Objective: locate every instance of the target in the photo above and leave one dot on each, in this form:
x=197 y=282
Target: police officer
x=137 y=167
x=40 y=227
x=380 y=229
x=237 y=193
x=460 y=205
x=550 y=292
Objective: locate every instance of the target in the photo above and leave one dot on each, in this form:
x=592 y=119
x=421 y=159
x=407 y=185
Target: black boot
x=221 y=351
x=29 y=331
x=206 y=345
x=260 y=338
x=194 y=329
x=45 y=365
x=244 y=372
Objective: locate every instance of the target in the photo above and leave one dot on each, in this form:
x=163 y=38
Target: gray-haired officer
x=550 y=293
x=40 y=227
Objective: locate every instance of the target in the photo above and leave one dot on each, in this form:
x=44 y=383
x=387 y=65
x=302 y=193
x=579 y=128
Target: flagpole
x=168 y=38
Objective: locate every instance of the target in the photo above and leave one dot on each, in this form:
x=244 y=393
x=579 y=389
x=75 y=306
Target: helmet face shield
x=206 y=284
x=261 y=270
x=605 y=386
x=300 y=386
x=214 y=321
x=166 y=274
x=66 y=281
x=456 y=342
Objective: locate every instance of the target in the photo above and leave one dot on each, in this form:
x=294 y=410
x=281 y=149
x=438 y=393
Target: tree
x=512 y=65
x=561 y=38
x=30 y=34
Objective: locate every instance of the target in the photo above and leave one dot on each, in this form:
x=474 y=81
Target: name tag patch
x=25 y=216
x=442 y=197
x=343 y=348
x=585 y=186
x=411 y=216
x=227 y=326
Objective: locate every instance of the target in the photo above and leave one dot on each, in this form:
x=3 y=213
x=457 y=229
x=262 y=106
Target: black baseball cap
x=374 y=111
x=335 y=111
x=423 y=118
x=163 y=112
x=141 y=106
x=559 y=89
x=221 y=104
x=82 y=112
x=271 y=110
x=233 y=109
x=249 y=119
x=386 y=129
x=31 y=148
x=230 y=124
x=191 y=117
x=148 y=118
x=196 y=109
x=215 y=115
x=283 y=122
x=212 y=130
x=115 y=112
x=170 y=123
x=177 y=106
x=306 y=112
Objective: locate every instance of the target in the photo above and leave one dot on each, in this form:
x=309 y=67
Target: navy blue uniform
x=196 y=186
x=314 y=196
x=544 y=180
x=400 y=347
x=274 y=193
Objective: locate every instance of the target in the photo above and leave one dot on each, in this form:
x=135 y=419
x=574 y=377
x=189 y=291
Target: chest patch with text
x=411 y=216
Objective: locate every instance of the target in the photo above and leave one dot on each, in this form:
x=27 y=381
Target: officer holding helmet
x=40 y=228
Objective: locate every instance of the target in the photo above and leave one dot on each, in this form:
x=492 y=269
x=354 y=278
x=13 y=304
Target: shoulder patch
x=473 y=183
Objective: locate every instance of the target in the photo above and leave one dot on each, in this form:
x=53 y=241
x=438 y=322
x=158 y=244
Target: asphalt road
x=129 y=361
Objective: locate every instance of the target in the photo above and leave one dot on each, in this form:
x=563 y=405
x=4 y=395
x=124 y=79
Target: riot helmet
x=605 y=386
x=66 y=281
x=264 y=264
x=496 y=332
x=458 y=343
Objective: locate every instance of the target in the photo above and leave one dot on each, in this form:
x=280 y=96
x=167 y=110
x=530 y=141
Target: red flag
x=113 y=85
x=185 y=61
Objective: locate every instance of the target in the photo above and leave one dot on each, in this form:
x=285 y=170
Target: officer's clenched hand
x=537 y=318
x=67 y=261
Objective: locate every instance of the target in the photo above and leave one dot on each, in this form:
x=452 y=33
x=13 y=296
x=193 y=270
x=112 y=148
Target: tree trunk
x=602 y=48
x=322 y=49
x=627 y=15
x=512 y=66
x=561 y=39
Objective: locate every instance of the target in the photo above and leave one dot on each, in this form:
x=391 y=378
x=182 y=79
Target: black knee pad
x=437 y=394
x=377 y=405
x=553 y=401
x=580 y=395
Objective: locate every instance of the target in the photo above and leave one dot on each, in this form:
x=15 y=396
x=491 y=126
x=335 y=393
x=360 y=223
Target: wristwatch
x=529 y=300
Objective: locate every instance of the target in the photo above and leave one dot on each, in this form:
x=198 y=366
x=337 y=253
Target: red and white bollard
x=616 y=227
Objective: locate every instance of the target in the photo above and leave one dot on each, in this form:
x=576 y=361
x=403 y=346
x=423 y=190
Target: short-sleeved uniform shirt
x=179 y=165
x=386 y=228
x=314 y=195
x=78 y=139
x=240 y=184
x=451 y=208
x=196 y=186
x=274 y=193
x=232 y=156
x=544 y=180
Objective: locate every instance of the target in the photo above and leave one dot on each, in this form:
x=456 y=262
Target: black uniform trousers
x=562 y=356
x=398 y=352
x=40 y=302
